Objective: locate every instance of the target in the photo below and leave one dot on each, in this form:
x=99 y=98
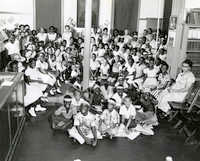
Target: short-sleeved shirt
x=130 y=69
x=151 y=73
x=52 y=36
x=94 y=65
x=184 y=80
x=13 y=48
x=110 y=117
x=41 y=65
x=127 y=112
x=87 y=121
x=118 y=98
x=139 y=69
x=163 y=79
x=62 y=110
x=42 y=36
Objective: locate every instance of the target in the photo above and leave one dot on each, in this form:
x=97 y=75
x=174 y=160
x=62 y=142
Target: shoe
x=58 y=91
x=40 y=108
x=32 y=112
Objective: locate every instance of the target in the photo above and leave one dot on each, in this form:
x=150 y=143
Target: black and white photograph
x=99 y=80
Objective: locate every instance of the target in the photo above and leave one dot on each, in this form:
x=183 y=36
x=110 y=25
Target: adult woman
x=178 y=91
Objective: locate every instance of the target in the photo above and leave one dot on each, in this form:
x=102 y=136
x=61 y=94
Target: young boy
x=62 y=118
x=128 y=113
x=84 y=129
x=109 y=119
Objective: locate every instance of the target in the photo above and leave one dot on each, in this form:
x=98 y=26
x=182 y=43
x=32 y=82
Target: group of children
x=86 y=124
x=128 y=72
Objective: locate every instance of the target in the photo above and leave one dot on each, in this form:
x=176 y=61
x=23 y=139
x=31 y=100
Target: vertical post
x=86 y=59
x=158 y=22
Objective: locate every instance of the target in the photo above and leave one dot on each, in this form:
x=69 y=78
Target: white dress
x=33 y=89
x=182 y=81
x=151 y=80
x=46 y=78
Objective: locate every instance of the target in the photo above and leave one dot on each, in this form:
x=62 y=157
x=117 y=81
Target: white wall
x=105 y=13
x=14 y=12
x=149 y=8
x=192 y=4
x=69 y=11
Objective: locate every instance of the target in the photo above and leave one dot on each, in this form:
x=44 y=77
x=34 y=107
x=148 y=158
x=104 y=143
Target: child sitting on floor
x=147 y=114
x=128 y=113
x=84 y=129
x=62 y=117
x=77 y=100
x=109 y=119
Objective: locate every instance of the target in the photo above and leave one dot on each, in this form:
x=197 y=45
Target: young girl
x=46 y=76
x=52 y=35
x=94 y=67
x=139 y=68
x=104 y=68
x=109 y=119
x=67 y=34
x=42 y=35
x=85 y=128
x=150 y=81
x=163 y=80
x=77 y=100
x=101 y=50
x=130 y=70
x=105 y=36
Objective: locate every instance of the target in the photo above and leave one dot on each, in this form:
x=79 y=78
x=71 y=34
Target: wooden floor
x=38 y=144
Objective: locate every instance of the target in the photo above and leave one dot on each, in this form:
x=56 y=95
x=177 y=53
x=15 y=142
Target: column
x=86 y=60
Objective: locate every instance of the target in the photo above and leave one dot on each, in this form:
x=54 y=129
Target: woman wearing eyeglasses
x=178 y=91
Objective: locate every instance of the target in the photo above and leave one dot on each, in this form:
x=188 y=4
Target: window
x=14 y=12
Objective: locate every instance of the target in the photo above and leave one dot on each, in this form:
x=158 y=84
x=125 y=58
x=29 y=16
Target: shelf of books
x=193 y=39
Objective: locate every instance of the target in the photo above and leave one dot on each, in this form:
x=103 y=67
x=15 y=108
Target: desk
x=12 y=116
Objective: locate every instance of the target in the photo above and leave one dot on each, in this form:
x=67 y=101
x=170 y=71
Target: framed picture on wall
x=81 y=13
x=173 y=23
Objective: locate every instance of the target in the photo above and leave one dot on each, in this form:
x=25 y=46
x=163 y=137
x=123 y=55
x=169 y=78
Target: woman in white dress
x=34 y=88
x=178 y=91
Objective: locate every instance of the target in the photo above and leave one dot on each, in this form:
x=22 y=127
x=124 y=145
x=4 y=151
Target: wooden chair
x=187 y=111
x=190 y=102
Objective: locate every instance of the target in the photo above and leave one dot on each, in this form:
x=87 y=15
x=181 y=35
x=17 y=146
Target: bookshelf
x=191 y=39
x=193 y=47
